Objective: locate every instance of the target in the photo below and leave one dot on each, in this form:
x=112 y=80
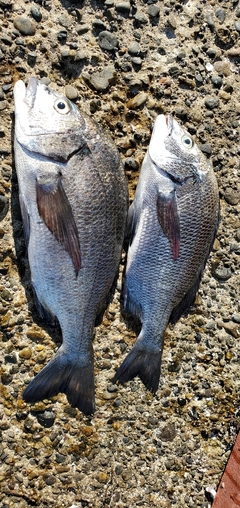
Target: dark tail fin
x=62 y=374
x=143 y=362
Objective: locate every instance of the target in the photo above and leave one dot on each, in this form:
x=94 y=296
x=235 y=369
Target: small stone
x=223 y=273
x=46 y=419
x=103 y=79
x=102 y=477
x=3 y=207
x=216 y=81
x=153 y=11
x=232 y=328
x=237 y=25
x=107 y=40
x=209 y=19
x=36 y=13
x=134 y=49
x=211 y=102
x=32 y=57
x=65 y=20
x=49 y=479
x=11 y=358
x=222 y=67
x=136 y=60
x=123 y=7
x=25 y=353
x=140 y=18
x=131 y=164
x=60 y=458
x=24 y=25
x=71 y=92
x=232 y=197
x=87 y=430
x=137 y=101
x=168 y=433
x=206 y=148
x=220 y=15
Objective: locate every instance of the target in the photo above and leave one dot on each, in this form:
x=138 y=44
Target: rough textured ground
x=169 y=56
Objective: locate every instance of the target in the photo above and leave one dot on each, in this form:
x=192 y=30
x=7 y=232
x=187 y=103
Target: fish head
x=46 y=122
x=173 y=150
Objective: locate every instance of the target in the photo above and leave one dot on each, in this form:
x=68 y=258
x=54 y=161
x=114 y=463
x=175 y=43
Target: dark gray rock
x=24 y=25
x=140 y=18
x=3 y=207
x=206 y=148
x=107 y=40
x=123 y=7
x=232 y=197
x=134 y=49
x=217 y=81
x=153 y=11
x=36 y=13
x=211 y=102
x=46 y=419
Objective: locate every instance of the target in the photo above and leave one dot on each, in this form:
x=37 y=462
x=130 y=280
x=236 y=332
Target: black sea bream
x=73 y=198
x=172 y=224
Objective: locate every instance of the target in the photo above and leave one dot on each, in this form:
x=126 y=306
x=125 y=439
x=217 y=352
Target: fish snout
x=31 y=92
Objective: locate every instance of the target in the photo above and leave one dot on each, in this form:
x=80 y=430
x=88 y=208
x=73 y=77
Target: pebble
x=153 y=11
x=46 y=419
x=123 y=7
x=71 y=92
x=220 y=15
x=140 y=18
x=211 y=102
x=36 y=13
x=232 y=197
x=24 y=25
x=137 y=101
x=134 y=48
x=131 y=163
x=168 y=433
x=217 y=81
x=237 y=25
x=206 y=148
x=223 y=273
x=4 y=206
x=107 y=40
x=103 y=79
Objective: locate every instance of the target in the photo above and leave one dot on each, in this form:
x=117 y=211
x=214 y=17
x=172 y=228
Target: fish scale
x=73 y=198
x=172 y=223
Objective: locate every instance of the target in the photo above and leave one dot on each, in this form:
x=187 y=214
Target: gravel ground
x=124 y=62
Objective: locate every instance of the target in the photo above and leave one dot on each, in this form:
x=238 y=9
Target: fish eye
x=187 y=141
x=62 y=106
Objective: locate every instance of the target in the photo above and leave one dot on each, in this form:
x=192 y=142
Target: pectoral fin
x=55 y=210
x=168 y=217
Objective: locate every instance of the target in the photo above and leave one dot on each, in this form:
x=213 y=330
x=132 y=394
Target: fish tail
x=143 y=361
x=63 y=374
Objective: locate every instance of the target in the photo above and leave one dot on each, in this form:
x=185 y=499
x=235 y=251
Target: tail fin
x=62 y=374
x=143 y=362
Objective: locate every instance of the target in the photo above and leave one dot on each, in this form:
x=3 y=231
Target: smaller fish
x=172 y=223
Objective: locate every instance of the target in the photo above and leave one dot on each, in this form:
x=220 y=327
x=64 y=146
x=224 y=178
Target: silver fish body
x=172 y=223
x=73 y=198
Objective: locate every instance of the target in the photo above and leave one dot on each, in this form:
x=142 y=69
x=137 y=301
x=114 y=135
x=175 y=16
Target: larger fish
x=73 y=198
x=172 y=224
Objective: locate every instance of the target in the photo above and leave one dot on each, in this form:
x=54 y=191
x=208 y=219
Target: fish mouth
x=31 y=92
x=23 y=94
x=169 y=122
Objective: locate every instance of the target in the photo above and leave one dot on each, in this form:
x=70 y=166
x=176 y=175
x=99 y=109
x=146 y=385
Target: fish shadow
x=22 y=258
